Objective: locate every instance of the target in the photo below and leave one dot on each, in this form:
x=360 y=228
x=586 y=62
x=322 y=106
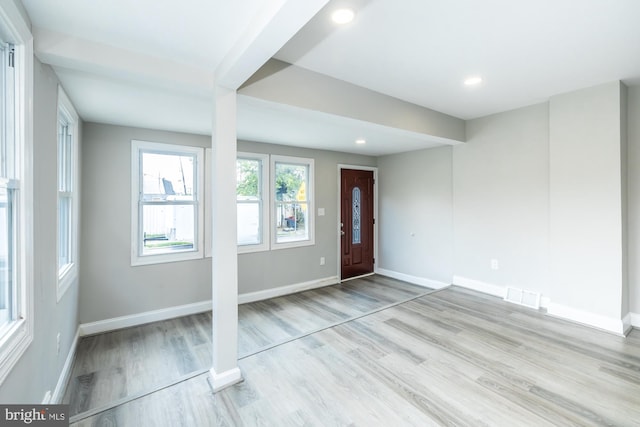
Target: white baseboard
x=286 y=290
x=143 y=318
x=476 y=285
x=420 y=281
x=65 y=374
x=609 y=324
x=224 y=379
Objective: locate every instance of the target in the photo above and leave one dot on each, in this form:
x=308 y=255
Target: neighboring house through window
x=167 y=217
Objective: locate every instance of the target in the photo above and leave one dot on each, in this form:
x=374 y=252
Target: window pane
x=355 y=216
x=291 y=182
x=248 y=179
x=291 y=222
x=64 y=232
x=167 y=176
x=6 y=259
x=168 y=228
x=65 y=161
x=249 y=230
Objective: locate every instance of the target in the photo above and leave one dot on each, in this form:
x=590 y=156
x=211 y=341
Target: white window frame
x=264 y=202
x=310 y=190
x=137 y=147
x=16 y=337
x=68 y=165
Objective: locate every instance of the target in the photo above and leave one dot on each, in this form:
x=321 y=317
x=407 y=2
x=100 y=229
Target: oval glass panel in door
x=355 y=227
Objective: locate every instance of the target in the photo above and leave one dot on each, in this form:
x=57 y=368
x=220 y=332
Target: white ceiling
x=150 y=63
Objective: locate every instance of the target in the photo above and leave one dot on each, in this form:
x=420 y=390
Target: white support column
x=225 y=371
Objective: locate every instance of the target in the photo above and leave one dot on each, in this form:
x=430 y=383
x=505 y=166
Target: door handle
x=341 y=233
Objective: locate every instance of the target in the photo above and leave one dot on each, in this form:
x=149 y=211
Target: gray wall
x=633 y=166
x=264 y=270
x=416 y=213
x=38 y=370
x=586 y=188
x=500 y=199
x=111 y=287
x=509 y=185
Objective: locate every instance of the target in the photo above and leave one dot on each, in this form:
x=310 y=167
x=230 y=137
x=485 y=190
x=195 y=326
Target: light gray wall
x=633 y=165
x=264 y=270
x=111 y=287
x=288 y=84
x=416 y=213
x=38 y=370
x=586 y=200
x=500 y=199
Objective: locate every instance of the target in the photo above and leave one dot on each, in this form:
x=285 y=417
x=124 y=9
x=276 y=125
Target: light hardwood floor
x=113 y=366
x=453 y=357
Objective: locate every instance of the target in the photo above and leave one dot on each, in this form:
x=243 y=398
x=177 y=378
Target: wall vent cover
x=523 y=297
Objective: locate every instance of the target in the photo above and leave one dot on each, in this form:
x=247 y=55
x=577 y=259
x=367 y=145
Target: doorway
x=357 y=237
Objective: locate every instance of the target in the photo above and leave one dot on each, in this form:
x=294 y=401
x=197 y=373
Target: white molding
x=65 y=374
x=47 y=398
x=609 y=324
x=476 y=285
x=286 y=290
x=142 y=318
x=635 y=319
x=420 y=281
x=224 y=379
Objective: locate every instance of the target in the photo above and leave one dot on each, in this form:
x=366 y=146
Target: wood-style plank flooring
x=453 y=357
x=113 y=366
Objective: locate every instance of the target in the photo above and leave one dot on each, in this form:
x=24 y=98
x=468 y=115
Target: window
x=67 y=193
x=166 y=196
x=292 y=189
x=16 y=192
x=251 y=193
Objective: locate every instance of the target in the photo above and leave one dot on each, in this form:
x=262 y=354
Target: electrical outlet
x=321 y=260
x=494 y=264
x=58 y=343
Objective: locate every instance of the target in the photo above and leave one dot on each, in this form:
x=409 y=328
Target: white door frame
x=375 y=215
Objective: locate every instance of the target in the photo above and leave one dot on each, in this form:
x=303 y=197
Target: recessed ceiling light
x=343 y=16
x=472 y=81
x=361 y=141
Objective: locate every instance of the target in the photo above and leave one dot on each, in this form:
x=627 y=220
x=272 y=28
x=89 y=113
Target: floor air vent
x=523 y=297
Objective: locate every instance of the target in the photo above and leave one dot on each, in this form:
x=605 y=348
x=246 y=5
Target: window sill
x=66 y=278
x=289 y=245
x=137 y=261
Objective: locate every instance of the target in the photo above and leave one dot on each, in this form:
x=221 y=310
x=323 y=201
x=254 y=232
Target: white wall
x=416 y=214
x=280 y=82
x=39 y=368
x=500 y=199
x=586 y=203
